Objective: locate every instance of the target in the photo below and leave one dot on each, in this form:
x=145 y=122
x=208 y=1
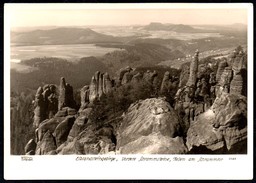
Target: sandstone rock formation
x=46 y=145
x=220 y=70
x=100 y=84
x=193 y=70
x=30 y=148
x=154 y=127
x=210 y=114
x=84 y=93
x=222 y=128
x=66 y=98
x=46 y=104
x=150 y=76
x=107 y=83
x=166 y=83
x=237 y=83
x=39 y=111
x=62 y=130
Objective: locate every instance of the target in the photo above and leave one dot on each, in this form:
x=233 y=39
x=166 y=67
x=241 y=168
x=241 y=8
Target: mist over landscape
x=99 y=89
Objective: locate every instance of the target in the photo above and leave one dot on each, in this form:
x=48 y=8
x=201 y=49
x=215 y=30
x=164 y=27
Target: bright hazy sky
x=80 y=15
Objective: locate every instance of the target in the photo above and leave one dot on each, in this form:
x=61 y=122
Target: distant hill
x=156 y=26
x=139 y=54
x=60 y=36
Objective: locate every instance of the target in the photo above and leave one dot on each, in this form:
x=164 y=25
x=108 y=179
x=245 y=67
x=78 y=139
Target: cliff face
x=209 y=114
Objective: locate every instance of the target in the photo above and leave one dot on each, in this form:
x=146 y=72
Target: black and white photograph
x=105 y=80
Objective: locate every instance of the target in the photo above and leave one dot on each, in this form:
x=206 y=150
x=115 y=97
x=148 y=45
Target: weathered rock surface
x=100 y=84
x=221 y=128
x=165 y=83
x=48 y=125
x=84 y=94
x=193 y=70
x=155 y=143
x=142 y=121
x=39 y=111
x=30 y=147
x=107 y=83
x=62 y=130
x=149 y=76
x=89 y=141
x=66 y=98
x=46 y=145
x=220 y=70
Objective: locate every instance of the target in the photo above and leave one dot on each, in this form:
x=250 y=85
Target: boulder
x=145 y=118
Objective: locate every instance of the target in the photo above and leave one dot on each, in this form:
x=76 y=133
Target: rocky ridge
x=209 y=114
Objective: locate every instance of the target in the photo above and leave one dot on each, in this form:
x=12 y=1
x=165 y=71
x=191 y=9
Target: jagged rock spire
x=193 y=70
x=100 y=84
x=66 y=98
x=165 y=83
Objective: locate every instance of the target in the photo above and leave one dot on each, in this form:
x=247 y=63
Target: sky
x=81 y=15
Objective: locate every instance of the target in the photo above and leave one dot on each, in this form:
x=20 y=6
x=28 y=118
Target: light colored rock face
x=47 y=125
x=226 y=76
x=220 y=70
x=62 y=130
x=46 y=145
x=237 y=83
x=30 y=147
x=107 y=84
x=39 y=111
x=149 y=121
x=89 y=141
x=155 y=144
x=93 y=90
x=46 y=104
x=100 y=84
x=193 y=70
x=224 y=126
x=84 y=93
